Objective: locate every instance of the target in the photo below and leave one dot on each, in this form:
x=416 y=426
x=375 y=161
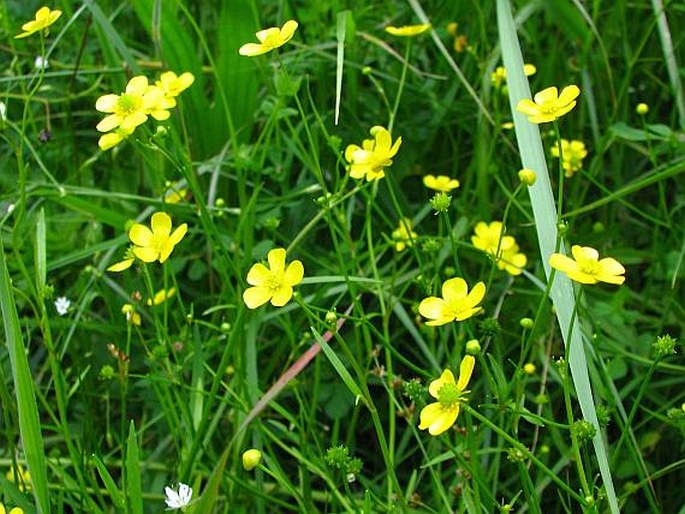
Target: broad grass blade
x=544 y=210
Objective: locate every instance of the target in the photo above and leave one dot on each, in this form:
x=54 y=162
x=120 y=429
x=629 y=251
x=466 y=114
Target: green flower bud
x=473 y=347
x=251 y=459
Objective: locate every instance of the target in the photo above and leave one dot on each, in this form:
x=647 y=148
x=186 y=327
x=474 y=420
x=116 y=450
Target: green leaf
x=115 y=495
x=134 y=489
x=40 y=261
x=29 y=420
x=544 y=210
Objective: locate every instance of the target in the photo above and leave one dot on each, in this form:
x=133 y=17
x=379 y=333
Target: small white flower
x=3 y=112
x=41 y=63
x=62 y=305
x=10 y=208
x=178 y=499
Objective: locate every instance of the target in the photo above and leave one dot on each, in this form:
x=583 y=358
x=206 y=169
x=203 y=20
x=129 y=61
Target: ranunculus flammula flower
x=173 y=85
x=403 y=235
x=44 y=18
x=269 y=39
x=15 y=510
x=499 y=76
x=156 y=243
x=132 y=107
x=587 y=268
x=441 y=183
x=274 y=283
x=487 y=238
x=548 y=104
x=408 y=30
x=456 y=304
x=370 y=160
x=573 y=154
x=177 y=499
x=441 y=415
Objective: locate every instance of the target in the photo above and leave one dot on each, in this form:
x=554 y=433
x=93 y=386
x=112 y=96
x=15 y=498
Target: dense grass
x=105 y=413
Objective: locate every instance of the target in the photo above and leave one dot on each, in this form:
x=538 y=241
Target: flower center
x=589 y=267
x=273 y=283
x=158 y=241
x=449 y=396
x=128 y=104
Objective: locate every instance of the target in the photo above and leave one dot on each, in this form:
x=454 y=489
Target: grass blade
x=134 y=489
x=544 y=210
x=29 y=421
x=40 y=255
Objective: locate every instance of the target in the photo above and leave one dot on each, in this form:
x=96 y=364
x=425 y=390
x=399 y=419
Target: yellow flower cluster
x=403 y=235
x=126 y=111
x=498 y=78
x=573 y=153
x=489 y=238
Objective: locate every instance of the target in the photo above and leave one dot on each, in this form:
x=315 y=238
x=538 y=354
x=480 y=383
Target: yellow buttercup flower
x=460 y=40
x=15 y=510
x=131 y=314
x=408 y=30
x=158 y=243
x=456 y=304
x=173 y=195
x=487 y=238
x=573 y=154
x=371 y=159
x=269 y=39
x=112 y=139
x=44 y=18
x=499 y=76
x=587 y=268
x=173 y=85
x=19 y=475
x=403 y=235
x=549 y=105
x=441 y=415
x=441 y=183
x=131 y=108
x=275 y=283
x=161 y=296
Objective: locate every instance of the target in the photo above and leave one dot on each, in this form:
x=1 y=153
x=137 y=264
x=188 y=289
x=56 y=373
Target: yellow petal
x=454 y=290
x=282 y=296
x=256 y=296
x=436 y=419
x=528 y=107
x=465 y=371
x=276 y=258
x=161 y=223
x=584 y=253
x=294 y=273
x=568 y=94
x=476 y=295
x=121 y=265
x=434 y=387
x=258 y=274
x=432 y=308
x=140 y=235
x=137 y=85
x=109 y=123
x=563 y=263
x=288 y=30
x=178 y=234
x=106 y=103
x=252 y=49
x=546 y=95
x=145 y=253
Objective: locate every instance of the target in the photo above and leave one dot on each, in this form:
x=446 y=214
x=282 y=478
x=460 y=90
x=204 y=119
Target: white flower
x=178 y=499
x=62 y=305
x=41 y=63
x=3 y=112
